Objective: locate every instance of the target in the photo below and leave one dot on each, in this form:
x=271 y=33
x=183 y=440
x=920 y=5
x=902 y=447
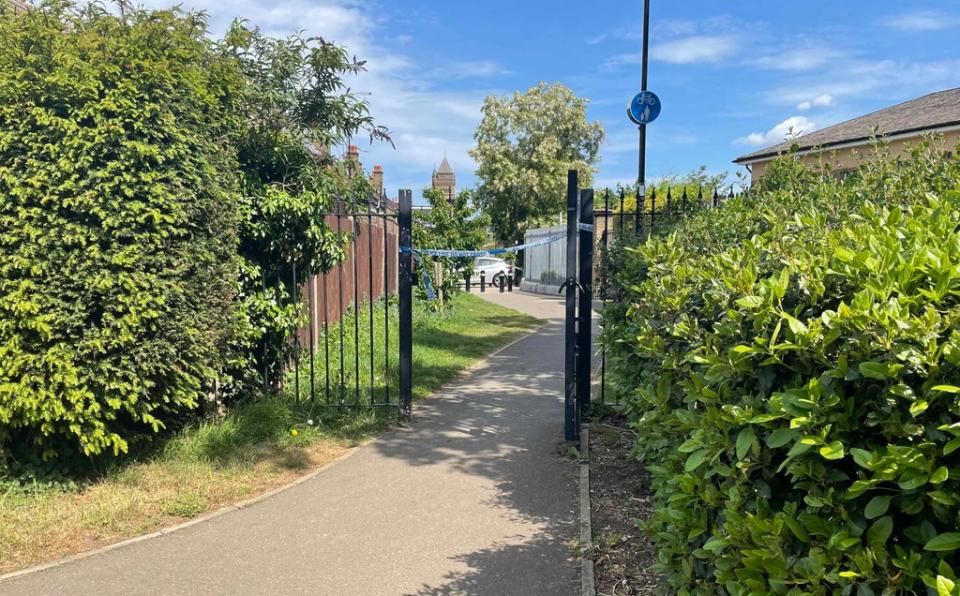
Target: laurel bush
x=118 y=225
x=792 y=367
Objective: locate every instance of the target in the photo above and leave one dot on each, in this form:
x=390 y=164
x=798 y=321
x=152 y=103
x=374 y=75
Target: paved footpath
x=475 y=497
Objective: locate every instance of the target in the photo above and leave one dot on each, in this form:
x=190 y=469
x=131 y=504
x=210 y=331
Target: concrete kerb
x=253 y=500
x=587 y=587
x=539 y=288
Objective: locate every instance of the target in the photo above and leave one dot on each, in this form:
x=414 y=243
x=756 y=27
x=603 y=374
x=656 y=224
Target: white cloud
x=670 y=28
x=691 y=50
x=921 y=20
x=792 y=126
x=824 y=100
x=678 y=41
x=893 y=79
x=811 y=56
x=595 y=39
x=468 y=69
x=405 y=95
x=688 y=50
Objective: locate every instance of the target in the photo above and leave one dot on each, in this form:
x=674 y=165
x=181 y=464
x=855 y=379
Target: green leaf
x=715 y=544
x=951 y=446
x=796 y=529
x=690 y=445
x=862 y=457
x=745 y=440
x=695 y=460
x=945 y=570
x=750 y=302
x=877 y=506
x=942 y=497
x=946 y=388
x=880 y=531
x=874 y=370
x=948 y=541
x=945 y=586
x=913 y=479
x=796 y=326
x=939 y=475
x=781 y=437
x=918 y=407
x=832 y=451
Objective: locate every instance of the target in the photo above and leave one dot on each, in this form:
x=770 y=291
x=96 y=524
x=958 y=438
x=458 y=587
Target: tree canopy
x=450 y=224
x=524 y=147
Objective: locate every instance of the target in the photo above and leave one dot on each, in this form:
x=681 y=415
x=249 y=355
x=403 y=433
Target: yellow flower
x=294 y=432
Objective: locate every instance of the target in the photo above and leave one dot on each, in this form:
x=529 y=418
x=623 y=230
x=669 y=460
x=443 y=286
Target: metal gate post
x=585 y=306
x=405 y=221
x=571 y=418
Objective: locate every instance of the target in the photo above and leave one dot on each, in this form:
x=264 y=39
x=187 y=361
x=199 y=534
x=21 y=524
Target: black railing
x=341 y=349
x=618 y=223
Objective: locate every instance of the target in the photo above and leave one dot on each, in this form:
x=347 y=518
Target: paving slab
x=475 y=497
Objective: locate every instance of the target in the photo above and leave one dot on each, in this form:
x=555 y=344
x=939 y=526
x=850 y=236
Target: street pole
x=642 y=128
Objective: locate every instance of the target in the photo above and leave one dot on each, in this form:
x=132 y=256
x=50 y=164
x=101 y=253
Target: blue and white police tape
x=436 y=252
x=428 y=286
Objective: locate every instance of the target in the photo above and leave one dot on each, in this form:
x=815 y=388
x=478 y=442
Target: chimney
x=354 y=168
x=376 y=179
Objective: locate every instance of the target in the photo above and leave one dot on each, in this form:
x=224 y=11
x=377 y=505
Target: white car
x=495 y=270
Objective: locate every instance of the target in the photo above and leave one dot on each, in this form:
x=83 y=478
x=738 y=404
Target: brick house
x=844 y=145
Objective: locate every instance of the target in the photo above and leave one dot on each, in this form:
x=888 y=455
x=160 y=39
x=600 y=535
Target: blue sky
x=732 y=76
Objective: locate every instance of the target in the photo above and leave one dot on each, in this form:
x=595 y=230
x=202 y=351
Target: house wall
x=851 y=157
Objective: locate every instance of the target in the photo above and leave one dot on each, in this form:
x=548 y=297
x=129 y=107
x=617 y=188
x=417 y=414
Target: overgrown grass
x=442 y=346
x=257 y=446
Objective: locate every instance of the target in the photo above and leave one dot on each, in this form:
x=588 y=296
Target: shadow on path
x=504 y=423
x=477 y=497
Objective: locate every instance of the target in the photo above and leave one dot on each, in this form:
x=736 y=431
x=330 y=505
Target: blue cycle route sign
x=644 y=107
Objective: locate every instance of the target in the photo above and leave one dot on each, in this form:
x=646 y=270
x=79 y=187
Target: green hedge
x=792 y=368
x=118 y=225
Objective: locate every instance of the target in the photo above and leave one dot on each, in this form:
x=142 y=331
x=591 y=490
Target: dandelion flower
x=294 y=432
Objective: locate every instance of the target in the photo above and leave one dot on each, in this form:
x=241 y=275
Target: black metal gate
x=616 y=224
x=578 y=332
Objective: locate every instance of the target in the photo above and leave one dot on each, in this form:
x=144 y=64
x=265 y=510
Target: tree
x=294 y=106
x=449 y=224
x=525 y=145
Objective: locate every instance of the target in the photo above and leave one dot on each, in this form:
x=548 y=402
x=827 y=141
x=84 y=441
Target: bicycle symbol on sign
x=644 y=108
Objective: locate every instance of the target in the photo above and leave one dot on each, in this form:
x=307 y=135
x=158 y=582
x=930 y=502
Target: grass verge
x=256 y=447
x=345 y=374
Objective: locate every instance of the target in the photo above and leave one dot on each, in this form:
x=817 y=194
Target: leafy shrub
x=294 y=104
x=793 y=377
x=158 y=189
x=118 y=225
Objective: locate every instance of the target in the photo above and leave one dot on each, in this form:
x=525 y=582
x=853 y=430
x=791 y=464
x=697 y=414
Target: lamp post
x=642 y=126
